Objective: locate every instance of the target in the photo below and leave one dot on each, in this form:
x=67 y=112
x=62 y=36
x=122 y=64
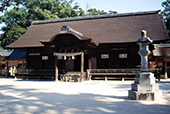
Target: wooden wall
x=113 y=56
x=40 y=58
x=120 y=56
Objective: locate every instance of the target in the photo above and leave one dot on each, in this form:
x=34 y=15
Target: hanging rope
x=68 y=54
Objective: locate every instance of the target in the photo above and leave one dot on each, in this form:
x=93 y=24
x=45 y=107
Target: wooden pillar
x=41 y=61
x=82 y=67
x=153 y=65
x=88 y=71
x=56 y=68
x=166 y=75
x=89 y=62
x=105 y=78
x=7 y=69
x=0 y=67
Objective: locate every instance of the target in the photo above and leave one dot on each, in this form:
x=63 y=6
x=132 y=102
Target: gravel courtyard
x=89 y=97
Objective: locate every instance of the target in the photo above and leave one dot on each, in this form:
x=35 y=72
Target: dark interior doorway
x=123 y=62
x=77 y=63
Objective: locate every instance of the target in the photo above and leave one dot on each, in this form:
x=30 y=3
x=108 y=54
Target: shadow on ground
x=15 y=100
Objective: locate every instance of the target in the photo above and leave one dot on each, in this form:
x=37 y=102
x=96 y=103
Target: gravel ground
x=89 y=97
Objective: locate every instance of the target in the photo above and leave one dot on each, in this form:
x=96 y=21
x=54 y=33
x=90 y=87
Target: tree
x=4 y=4
x=18 y=19
x=15 y=25
x=94 y=11
x=166 y=14
x=112 y=12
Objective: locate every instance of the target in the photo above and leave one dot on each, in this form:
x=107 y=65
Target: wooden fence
x=117 y=73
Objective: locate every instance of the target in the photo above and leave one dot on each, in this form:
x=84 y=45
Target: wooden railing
x=116 y=72
x=35 y=73
x=48 y=73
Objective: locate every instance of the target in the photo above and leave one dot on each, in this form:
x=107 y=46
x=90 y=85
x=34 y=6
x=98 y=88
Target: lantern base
x=145 y=87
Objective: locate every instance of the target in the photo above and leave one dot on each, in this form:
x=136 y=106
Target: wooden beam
x=56 y=68
x=7 y=69
x=166 y=75
x=105 y=78
x=89 y=62
x=82 y=67
x=0 y=67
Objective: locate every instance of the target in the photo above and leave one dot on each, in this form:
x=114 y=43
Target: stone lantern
x=143 y=43
x=144 y=87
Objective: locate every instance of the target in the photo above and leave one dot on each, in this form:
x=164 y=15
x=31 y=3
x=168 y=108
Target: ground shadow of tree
x=32 y=101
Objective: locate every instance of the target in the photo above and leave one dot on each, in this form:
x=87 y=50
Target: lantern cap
x=144 y=38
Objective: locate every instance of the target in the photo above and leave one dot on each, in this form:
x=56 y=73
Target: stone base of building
x=145 y=87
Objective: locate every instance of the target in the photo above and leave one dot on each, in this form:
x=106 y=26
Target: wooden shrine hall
x=68 y=44
x=82 y=48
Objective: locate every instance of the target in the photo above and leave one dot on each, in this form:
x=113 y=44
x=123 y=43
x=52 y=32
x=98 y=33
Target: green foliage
x=4 y=4
x=18 y=15
x=94 y=11
x=22 y=12
x=166 y=14
x=112 y=12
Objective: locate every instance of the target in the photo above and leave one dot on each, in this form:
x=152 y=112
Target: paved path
x=93 y=97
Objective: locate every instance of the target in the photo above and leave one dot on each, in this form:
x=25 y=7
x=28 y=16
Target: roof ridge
x=95 y=17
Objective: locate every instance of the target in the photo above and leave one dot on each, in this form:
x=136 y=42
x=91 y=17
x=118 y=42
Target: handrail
x=120 y=70
x=117 y=71
x=35 y=71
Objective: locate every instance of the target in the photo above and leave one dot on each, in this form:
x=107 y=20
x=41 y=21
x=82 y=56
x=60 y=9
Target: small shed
x=3 y=55
x=17 y=59
x=161 y=58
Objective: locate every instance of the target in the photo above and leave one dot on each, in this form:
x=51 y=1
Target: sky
x=121 y=6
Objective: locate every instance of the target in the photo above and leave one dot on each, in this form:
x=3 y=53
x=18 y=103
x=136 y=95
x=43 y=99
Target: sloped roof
x=66 y=30
x=18 y=54
x=162 y=50
x=5 y=53
x=110 y=28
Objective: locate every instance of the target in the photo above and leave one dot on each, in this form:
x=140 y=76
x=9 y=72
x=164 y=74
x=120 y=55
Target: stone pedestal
x=144 y=87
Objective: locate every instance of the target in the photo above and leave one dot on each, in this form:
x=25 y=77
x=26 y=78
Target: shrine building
x=80 y=44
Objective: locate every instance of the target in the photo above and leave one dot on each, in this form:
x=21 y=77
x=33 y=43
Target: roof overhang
x=161 y=50
x=65 y=30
